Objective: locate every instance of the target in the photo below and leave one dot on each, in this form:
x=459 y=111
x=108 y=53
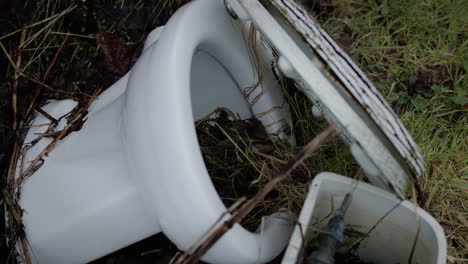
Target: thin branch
x=36 y=23
x=44 y=78
x=356 y=245
x=237 y=216
x=77 y=117
x=46 y=27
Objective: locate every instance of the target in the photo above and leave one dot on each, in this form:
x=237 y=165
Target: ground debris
x=116 y=52
x=350 y=258
x=230 y=149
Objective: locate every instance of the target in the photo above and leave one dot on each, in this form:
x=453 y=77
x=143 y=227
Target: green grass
x=416 y=52
x=445 y=182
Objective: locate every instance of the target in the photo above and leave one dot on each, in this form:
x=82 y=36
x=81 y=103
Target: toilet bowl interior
x=239 y=79
x=170 y=172
x=213 y=87
x=217 y=85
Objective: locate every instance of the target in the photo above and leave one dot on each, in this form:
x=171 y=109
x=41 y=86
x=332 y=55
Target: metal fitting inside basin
x=398 y=224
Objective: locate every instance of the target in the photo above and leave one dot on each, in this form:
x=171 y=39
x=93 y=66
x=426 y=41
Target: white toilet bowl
x=135 y=167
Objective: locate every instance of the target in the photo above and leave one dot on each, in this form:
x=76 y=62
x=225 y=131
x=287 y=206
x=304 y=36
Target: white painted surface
x=328 y=77
x=135 y=167
x=390 y=242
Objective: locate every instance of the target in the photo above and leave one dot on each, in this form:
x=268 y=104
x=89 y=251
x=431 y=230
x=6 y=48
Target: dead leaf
x=462 y=218
x=117 y=54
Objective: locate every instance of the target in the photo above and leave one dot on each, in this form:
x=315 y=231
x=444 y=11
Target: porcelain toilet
x=135 y=167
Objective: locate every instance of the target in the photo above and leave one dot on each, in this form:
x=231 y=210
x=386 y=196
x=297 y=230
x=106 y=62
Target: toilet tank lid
x=327 y=75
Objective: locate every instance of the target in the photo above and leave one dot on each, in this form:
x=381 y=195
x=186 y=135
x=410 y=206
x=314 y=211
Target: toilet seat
x=339 y=90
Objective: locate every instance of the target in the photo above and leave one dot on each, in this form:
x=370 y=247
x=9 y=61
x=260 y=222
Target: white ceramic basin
x=392 y=239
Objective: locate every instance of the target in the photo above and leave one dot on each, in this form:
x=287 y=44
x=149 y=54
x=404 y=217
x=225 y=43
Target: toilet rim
x=183 y=198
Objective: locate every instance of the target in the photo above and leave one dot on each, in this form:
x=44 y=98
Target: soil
x=350 y=258
x=156 y=249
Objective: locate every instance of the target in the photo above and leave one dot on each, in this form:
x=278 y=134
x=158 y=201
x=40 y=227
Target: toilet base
x=83 y=182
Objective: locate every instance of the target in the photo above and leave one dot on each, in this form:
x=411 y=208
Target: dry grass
x=242 y=159
x=242 y=207
x=24 y=60
x=416 y=53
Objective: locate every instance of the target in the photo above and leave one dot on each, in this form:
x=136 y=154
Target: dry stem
x=238 y=215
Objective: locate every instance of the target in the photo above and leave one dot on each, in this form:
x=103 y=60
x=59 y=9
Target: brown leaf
x=421 y=82
x=116 y=52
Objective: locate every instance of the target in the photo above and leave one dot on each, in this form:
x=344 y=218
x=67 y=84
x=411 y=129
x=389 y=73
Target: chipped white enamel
x=348 y=98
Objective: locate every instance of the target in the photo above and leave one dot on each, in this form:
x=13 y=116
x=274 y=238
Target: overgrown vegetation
x=416 y=52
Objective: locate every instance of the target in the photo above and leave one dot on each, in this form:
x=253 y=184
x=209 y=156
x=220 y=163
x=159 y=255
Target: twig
x=14 y=93
x=35 y=24
x=421 y=198
x=15 y=213
x=217 y=110
x=415 y=242
x=237 y=216
x=7 y=55
x=44 y=78
x=44 y=113
x=239 y=148
x=78 y=116
x=73 y=35
x=303 y=241
x=14 y=155
x=11 y=192
x=230 y=210
x=355 y=245
x=48 y=87
x=46 y=27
